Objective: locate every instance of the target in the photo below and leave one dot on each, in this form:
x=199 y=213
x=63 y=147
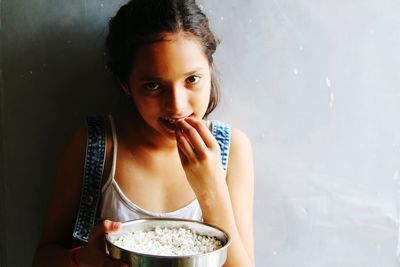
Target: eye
x=193 y=79
x=152 y=86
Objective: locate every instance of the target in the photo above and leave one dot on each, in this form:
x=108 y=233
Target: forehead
x=175 y=54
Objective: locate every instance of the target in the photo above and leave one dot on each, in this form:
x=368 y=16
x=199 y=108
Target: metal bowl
x=215 y=258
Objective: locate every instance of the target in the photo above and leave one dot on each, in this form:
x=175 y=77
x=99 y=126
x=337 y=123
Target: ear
x=125 y=87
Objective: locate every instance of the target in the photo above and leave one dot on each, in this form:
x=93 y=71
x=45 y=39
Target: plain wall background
x=314 y=84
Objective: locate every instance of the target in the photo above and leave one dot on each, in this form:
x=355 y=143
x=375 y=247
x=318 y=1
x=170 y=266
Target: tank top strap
x=115 y=145
x=222 y=133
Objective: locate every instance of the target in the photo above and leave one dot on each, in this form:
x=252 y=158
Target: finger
x=105 y=226
x=111 y=226
x=184 y=147
x=194 y=137
x=97 y=233
x=203 y=131
x=183 y=157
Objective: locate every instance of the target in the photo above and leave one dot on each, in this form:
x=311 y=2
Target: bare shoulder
x=240 y=163
x=240 y=147
x=239 y=139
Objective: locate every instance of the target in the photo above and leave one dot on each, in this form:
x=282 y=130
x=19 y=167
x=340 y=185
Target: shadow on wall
x=54 y=76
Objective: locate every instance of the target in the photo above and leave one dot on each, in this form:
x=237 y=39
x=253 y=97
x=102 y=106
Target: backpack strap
x=222 y=132
x=87 y=215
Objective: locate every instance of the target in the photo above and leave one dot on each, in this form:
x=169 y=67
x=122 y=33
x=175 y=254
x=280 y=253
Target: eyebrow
x=158 y=78
x=193 y=71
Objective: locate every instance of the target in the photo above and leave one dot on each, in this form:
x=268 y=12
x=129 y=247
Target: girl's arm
x=228 y=203
x=232 y=208
x=54 y=245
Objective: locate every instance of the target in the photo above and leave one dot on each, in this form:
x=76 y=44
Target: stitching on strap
x=93 y=172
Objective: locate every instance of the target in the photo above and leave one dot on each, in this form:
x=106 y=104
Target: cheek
x=203 y=98
x=149 y=106
x=144 y=106
x=207 y=91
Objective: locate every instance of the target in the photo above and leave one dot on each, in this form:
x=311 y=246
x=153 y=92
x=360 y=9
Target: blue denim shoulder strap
x=93 y=172
x=222 y=132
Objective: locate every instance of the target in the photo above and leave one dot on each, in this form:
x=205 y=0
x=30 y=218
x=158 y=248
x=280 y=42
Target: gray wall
x=313 y=84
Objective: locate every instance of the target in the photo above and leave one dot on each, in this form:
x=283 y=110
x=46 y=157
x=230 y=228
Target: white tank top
x=117 y=207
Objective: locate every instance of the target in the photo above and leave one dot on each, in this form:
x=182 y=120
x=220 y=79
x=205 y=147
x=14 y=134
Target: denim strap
x=222 y=132
x=93 y=173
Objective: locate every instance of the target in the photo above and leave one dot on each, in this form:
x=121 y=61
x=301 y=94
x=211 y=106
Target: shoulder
x=76 y=145
x=240 y=152
x=239 y=140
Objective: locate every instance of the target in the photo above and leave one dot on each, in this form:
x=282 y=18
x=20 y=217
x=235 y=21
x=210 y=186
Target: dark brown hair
x=141 y=22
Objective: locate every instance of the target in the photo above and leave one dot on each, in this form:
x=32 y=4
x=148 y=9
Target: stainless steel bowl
x=212 y=259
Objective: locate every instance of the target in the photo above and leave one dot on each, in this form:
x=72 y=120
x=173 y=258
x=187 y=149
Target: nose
x=176 y=99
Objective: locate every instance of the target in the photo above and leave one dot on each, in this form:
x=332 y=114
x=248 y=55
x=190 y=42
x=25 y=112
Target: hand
x=94 y=252
x=200 y=155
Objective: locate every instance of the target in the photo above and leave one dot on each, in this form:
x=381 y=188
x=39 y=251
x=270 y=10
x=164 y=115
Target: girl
x=162 y=158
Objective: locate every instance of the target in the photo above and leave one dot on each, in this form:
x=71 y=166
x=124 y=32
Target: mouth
x=170 y=123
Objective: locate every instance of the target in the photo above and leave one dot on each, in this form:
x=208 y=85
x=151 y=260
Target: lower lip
x=169 y=127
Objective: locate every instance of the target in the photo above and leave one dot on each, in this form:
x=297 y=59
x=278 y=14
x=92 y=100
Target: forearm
x=51 y=255
x=217 y=210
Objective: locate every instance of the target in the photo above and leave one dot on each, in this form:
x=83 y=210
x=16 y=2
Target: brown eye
x=193 y=79
x=152 y=86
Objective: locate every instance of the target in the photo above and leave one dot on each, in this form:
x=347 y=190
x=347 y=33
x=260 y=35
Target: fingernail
x=115 y=225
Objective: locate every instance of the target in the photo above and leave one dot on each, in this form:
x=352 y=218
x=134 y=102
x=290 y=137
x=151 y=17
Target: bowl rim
x=225 y=246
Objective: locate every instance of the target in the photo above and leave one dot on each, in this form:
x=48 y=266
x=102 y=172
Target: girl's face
x=170 y=80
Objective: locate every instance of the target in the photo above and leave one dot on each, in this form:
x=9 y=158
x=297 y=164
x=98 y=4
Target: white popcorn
x=168 y=242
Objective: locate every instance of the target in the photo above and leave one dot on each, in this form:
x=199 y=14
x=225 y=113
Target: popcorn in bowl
x=165 y=241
